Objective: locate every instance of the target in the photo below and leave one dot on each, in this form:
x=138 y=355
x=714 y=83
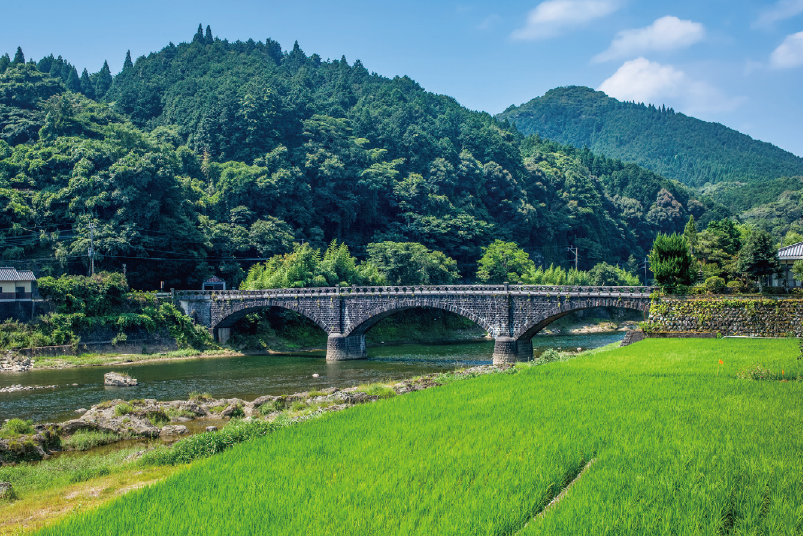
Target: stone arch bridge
x=511 y=314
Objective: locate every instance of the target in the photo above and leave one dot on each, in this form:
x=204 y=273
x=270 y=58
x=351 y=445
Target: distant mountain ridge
x=677 y=146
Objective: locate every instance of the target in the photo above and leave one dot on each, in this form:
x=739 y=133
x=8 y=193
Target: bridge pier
x=343 y=348
x=510 y=350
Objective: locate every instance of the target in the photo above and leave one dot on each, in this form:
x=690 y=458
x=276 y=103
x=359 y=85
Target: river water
x=251 y=376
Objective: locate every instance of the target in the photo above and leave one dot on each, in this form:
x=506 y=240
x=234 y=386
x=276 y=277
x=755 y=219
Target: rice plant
x=681 y=446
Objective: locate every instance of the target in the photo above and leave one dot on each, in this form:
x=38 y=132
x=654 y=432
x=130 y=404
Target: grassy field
x=680 y=445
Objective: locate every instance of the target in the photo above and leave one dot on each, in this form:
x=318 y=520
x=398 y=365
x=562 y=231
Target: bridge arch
x=373 y=316
x=559 y=310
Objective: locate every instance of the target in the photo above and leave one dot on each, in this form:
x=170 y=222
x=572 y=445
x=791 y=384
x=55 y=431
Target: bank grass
x=87 y=439
x=680 y=445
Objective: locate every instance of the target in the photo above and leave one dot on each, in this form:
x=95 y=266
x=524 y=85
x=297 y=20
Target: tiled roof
x=12 y=274
x=793 y=252
x=214 y=279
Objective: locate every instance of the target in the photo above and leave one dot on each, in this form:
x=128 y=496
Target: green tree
x=103 y=80
x=690 y=234
x=790 y=238
x=411 y=263
x=73 y=83
x=758 y=257
x=503 y=261
x=5 y=61
x=19 y=57
x=199 y=35
x=208 y=39
x=98 y=295
x=87 y=88
x=127 y=64
x=797 y=270
x=671 y=262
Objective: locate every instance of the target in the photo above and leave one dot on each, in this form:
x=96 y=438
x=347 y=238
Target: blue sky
x=737 y=62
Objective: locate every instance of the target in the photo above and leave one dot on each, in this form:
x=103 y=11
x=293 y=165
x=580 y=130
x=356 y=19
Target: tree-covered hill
x=206 y=156
x=672 y=144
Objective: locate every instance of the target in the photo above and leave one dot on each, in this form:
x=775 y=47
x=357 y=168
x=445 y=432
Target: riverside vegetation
x=685 y=435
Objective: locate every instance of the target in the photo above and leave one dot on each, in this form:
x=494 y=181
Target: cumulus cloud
x=789 y=54
x=647 y=81
x=785 y=9
x=553 y=17
x=664 y=35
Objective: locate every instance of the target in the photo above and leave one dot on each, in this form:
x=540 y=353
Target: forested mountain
x=206 y=156
x=672 y=144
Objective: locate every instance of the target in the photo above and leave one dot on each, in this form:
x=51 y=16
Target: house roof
x=791 y=253
x=8 y=273
x=214 y=279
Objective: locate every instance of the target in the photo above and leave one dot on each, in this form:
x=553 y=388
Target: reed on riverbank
x=681 y=446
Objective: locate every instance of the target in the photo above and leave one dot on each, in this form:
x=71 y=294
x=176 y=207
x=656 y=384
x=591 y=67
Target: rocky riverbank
x=20 y=387
x=11 y=362
x=150 y=418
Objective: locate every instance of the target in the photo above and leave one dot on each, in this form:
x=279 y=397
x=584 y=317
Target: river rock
x=211 y=428
x=173 y=430
x=116 y=379
x=80 y=410
x=11 y=362
x=7 y=492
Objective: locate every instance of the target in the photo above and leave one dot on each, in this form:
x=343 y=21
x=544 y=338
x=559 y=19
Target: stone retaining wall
x=135 y=346
x=751 y=317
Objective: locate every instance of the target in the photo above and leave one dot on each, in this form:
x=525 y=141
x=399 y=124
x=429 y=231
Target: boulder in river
x=115 y=379
x=211 y=428
x=173 y=430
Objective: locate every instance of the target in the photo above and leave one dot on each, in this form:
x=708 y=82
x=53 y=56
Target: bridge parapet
x=534 y=290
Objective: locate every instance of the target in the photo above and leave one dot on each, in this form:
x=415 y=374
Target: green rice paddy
x=681 y=446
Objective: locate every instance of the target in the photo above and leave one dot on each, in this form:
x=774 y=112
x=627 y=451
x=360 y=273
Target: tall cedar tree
x=19 y=57
x=103 y=81
x=127 y=64
x=209 y=40
x=671 y=261
x=758 y=258
x=199 y=35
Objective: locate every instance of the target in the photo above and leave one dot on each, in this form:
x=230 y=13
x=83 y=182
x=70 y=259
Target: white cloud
x=789 y=54
x=665 y=34
x=785 y=9
x=552 y=17
x=647 y=81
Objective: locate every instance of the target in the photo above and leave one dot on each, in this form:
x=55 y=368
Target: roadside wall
x=751 y=317
x=157 y=343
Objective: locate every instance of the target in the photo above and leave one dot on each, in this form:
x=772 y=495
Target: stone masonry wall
x=752 y=317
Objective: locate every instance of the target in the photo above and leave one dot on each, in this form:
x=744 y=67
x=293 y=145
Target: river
x=248 y=377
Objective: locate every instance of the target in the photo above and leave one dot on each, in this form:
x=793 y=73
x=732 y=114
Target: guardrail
x=539 y=290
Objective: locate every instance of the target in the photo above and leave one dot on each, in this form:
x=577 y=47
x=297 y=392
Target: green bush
x=16 y=428
x=123 y=409
x=380 y=390
x=715 y=285
x=737 y=286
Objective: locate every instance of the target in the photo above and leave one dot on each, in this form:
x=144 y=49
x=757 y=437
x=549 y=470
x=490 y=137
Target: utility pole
x=573 y=249
x=91 y=251
x=646 y=263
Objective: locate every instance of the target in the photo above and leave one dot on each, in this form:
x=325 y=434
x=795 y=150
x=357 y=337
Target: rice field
x=680 y=446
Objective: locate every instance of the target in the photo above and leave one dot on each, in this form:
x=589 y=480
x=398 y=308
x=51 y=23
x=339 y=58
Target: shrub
x=123 y=409
x=174 y=413
x=672 y=263
x=757 y=372
x=737 y=286
x=380 y=390
x=200 y=397
x=715 y=285
x=158 y=418
x=16 y=428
